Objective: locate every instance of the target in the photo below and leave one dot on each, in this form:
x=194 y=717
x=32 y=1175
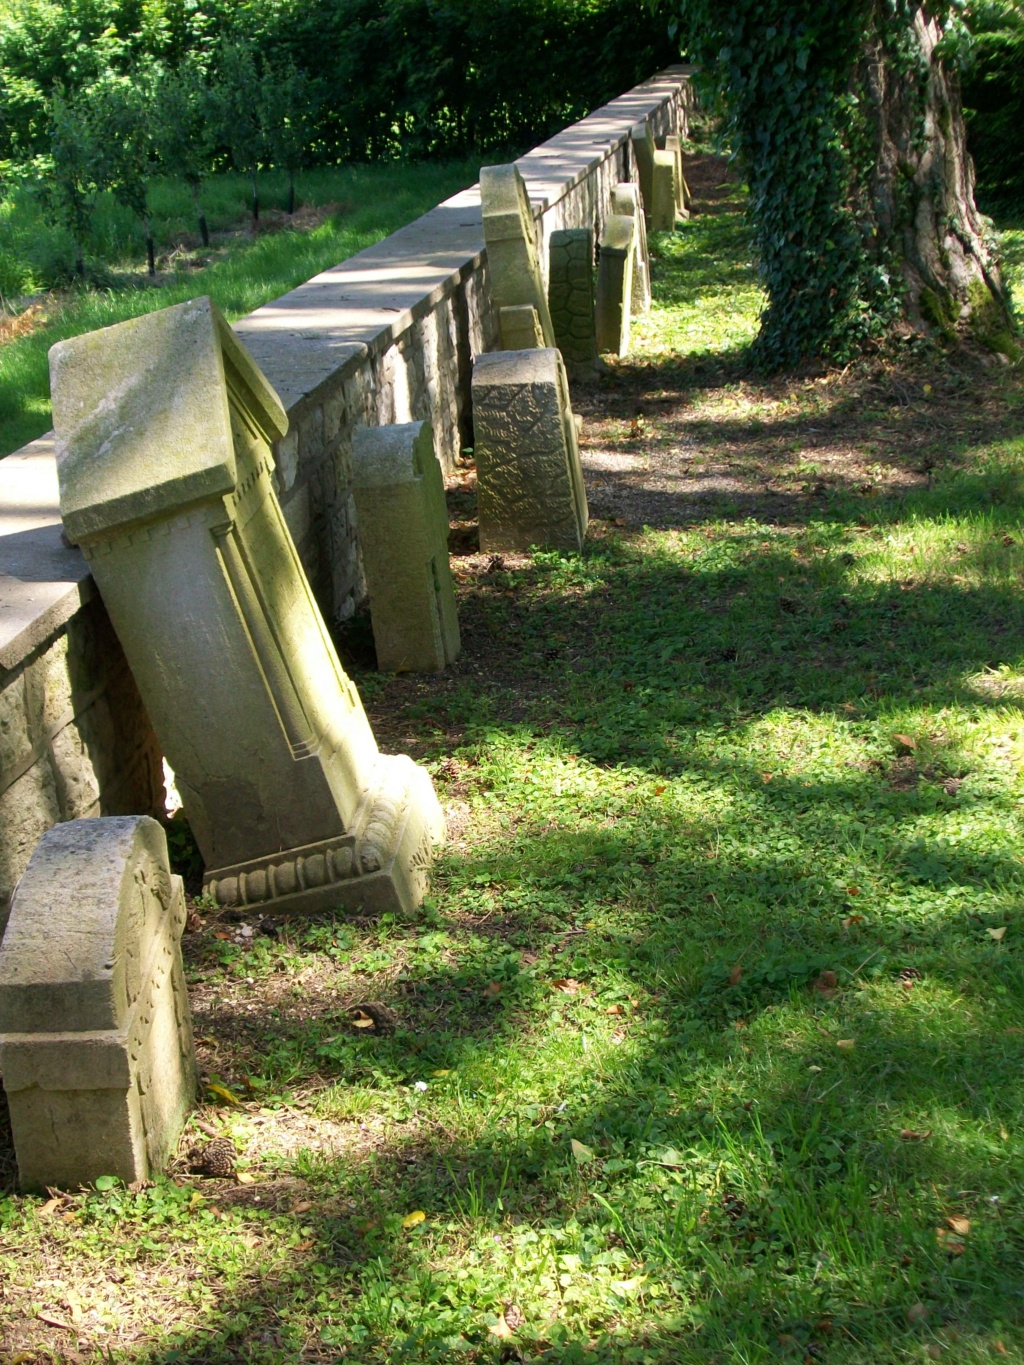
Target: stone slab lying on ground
x=95 y=1032
x=529 y=479
x=511 y=236
x=571 y=299
x=403 y=534
x=164 y=427
x=615 y=282
x=626 y=202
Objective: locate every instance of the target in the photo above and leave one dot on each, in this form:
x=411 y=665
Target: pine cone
x=215 y=1158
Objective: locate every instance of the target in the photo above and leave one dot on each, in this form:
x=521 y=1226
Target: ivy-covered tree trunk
x=850 y=131
x=922 y=185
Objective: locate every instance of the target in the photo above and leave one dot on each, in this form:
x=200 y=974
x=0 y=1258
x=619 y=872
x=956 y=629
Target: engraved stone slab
x=529 y=478
x=511 y=236
x=626 y=202
x=615 y=283
x=571 y=297
x=403 y=535
x=95 y=1031
x=164 y=427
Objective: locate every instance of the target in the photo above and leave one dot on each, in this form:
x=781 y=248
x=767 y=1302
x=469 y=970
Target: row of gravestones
x=164 y=429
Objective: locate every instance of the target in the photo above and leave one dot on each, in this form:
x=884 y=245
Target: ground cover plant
x=707 y=1044
x=342 y=210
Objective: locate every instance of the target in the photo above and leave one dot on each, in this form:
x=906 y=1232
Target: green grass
x=371 y=202
x=735 y=908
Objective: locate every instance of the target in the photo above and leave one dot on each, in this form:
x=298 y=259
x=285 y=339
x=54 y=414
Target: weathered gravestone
x=164 y=426
x=95 y=1031
x=672 y=143
x=626 y=203
x=529 y=479
x=520 y=327
x=512 y=260
x=656 y=171
x=571 y=298
x=615 y=283
x=403 y=536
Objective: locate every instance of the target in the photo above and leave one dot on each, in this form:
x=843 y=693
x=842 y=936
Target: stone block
x=674 y=144
x=529 y=479
x=664 y=193
x=625 y=202
x=95 y=1032
x=403 y=533
x=615 y=283
x=164 y=431
x=519 y=328
x=511 y=237
x=571 y=298
x=642 y=141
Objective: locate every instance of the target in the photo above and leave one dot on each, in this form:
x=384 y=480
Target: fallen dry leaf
x=907 y=741
x=500 y=1328
x=736 y=975
x=222 y=1093
x=581 y=1152
x=626 y=1288
x=998 y=934
x=917 y=1313
x=615 y=1009
x=360 y=1019
x=961 y=1226
x=245 y=1178
x=847 y=1044
x=303 y=1206
x=52 y=1320
x=566 y=984
x=412 y=1220
x=49 y=1206
x=953 y=1245
x=999 y=1348
x=912 y=1135
x=492 y=989
x=850 y=920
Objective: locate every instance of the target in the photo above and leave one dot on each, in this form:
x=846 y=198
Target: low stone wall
x=387 y=336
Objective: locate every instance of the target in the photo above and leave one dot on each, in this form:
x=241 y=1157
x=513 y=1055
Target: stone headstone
x=95 y=1032
x=656 y=171
x=520 y=328
x=626 y=202
x=403 y=535
x=164 y=427
x=674 y=144
x=571 y=298
x=615 y=282
x=529 y=479
x=511 y=236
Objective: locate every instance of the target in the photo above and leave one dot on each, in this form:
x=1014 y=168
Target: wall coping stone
x=320 y=331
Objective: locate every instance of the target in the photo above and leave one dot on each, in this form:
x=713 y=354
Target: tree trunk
x=922 y=190
x=150 y=249
x=291 y=192
x=255 y=202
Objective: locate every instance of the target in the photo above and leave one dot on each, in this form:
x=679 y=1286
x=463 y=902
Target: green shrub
x=994 y=99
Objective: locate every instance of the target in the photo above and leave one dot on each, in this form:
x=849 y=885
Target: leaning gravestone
x=615 y=283
x=626 y=202
x=674 y=144
x=656 y=171
x=571 y=298
x=95 y=1031
x=512 y=261
x=164 y=427
x=403 y=536
x=529 y=479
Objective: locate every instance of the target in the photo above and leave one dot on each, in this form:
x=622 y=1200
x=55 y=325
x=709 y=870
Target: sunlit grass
x=371 y=202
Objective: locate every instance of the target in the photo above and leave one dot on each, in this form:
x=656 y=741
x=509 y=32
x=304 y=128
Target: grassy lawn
x=342 y=212
x=708 y=1045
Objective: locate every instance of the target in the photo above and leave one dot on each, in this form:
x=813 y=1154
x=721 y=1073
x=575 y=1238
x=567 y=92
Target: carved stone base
x=381 y=867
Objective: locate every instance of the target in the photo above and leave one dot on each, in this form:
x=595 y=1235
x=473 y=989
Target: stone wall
x=387 y=336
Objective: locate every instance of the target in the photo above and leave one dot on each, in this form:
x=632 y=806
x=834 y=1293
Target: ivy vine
x=799 y=124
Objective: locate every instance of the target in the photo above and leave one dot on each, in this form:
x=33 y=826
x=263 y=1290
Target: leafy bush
x=993 y=89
